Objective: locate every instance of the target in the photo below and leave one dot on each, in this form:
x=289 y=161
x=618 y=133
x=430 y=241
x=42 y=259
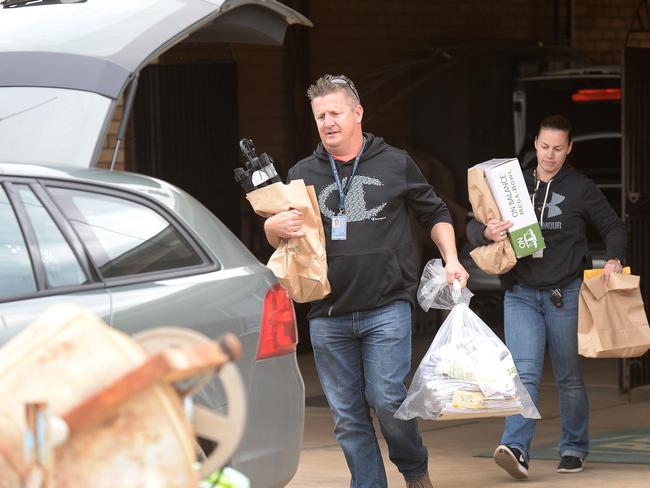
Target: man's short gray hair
x=328 y=84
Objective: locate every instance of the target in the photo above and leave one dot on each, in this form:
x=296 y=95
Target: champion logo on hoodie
x=355 y=200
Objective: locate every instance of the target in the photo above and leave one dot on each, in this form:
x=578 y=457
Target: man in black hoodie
x=541 y=300
x=361 y=332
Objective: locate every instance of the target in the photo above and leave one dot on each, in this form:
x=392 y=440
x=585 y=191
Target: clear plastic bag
x=435 y=292
x=467 y=371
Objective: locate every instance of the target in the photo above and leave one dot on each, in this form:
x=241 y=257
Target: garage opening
x=185 y=131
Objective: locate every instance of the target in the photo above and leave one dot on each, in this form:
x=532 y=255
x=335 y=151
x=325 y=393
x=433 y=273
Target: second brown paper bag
x=497 y=257
x=611 y=318
x=300 y=264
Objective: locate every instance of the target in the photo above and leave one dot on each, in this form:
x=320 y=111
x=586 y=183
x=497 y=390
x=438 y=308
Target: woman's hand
x=497 y=230
x=611 y=266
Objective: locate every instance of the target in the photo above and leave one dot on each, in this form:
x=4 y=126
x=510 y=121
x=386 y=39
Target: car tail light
x=596 y=94
x=278 y=335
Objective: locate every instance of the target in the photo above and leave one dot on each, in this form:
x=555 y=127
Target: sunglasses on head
x=343 y=81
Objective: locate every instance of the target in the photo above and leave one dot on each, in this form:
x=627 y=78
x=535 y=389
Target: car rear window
x=124 y=237
x=50 y=125
x=60 y=264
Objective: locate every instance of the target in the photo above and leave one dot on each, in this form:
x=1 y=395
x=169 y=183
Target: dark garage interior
x=436 y=78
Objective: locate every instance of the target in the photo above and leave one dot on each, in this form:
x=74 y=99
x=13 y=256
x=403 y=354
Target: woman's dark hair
x=556 y=122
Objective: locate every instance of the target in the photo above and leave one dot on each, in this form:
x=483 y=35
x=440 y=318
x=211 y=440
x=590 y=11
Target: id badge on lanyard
x=340 y=221
x=339 y=227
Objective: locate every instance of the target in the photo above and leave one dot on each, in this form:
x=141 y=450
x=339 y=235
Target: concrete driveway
x=455 y=446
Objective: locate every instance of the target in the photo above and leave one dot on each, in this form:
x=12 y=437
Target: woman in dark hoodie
x=541 y=298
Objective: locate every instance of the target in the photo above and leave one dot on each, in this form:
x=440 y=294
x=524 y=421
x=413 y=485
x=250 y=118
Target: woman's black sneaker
x=570 y=464
x=512 y=460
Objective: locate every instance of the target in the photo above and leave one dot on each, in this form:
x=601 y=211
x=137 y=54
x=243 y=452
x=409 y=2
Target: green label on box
x=527 y=240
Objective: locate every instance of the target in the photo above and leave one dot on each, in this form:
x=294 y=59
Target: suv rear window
x=549 y=96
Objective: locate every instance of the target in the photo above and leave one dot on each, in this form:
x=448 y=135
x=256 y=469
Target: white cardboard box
x=508 y=187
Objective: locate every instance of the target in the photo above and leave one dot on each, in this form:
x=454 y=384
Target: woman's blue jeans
x=363 y=359
x=532 y=320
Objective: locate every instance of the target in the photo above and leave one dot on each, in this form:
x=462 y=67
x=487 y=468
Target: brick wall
x=368 y=39
x=373 y=48
x=263 y=114
x=374 y=42
x=600 y=27
x=106 y=156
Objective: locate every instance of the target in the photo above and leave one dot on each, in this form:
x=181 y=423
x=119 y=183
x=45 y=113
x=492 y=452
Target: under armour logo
x=553 y=206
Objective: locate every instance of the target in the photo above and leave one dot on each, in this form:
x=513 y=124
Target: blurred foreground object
x=225 y=478
x=101 y=410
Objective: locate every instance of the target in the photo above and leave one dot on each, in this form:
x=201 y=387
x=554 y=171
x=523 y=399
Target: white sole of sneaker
x=506 y=459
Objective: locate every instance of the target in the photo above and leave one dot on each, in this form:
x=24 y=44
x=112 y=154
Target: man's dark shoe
x=512 y=460
x=570 y=464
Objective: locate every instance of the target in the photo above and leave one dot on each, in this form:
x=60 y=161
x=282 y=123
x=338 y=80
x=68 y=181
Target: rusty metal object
x=127 y=429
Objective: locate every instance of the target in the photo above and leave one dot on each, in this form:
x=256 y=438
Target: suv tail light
x=278 y=335
x=596 y=94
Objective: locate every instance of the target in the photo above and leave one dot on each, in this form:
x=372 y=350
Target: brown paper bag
x=497 y=257
x=300 y=264
x=611 y=318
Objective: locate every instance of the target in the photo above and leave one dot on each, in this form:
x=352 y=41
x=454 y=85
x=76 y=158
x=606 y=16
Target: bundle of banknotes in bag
x=467 y=371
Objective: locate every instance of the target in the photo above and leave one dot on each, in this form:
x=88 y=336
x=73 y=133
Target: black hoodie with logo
x=375 y=265
x=572 y=202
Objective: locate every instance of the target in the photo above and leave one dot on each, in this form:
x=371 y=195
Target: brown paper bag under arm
x=611 y=318
x=497 y=257
x=299 y=264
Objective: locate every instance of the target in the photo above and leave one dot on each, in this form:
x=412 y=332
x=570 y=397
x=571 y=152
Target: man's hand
x=612 y=266
x=284 y=225
x=456 y=271
x=497 y=230
x=442 y=234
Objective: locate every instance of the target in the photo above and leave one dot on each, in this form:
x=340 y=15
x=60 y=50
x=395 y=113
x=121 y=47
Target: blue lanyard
x=339 y=186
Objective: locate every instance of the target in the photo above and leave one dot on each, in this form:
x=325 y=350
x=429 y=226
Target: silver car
x=134 y=250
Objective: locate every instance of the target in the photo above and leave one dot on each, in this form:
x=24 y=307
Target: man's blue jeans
x=532 y=320
x=363 y=359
